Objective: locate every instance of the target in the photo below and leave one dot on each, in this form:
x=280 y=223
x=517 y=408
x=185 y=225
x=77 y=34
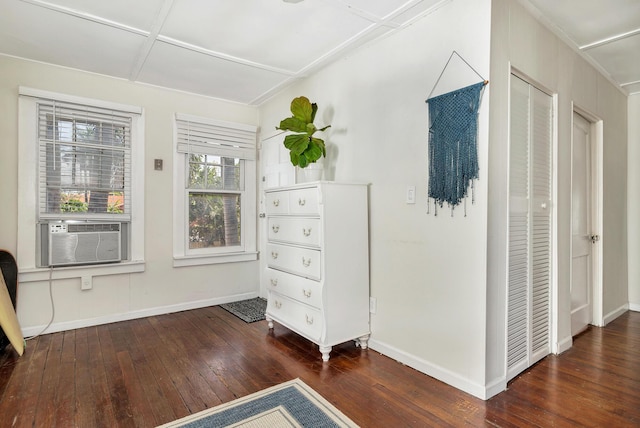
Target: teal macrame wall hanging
x=453 y=144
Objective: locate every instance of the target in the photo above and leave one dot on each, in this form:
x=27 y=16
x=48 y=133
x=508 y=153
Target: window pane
x=213 y=172
x=214 y=220
x=93 y=173
x=72 y=201
x=85 y=165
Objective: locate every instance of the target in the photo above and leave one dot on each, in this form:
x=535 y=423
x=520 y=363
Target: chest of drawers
x=317 y=272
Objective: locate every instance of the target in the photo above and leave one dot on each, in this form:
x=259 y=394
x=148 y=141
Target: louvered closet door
x=529 y=276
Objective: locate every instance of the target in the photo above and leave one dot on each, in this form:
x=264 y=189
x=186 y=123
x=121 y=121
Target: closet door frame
x=597 y=132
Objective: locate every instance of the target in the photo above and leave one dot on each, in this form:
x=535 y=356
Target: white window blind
x=84 y=161
x=213 y=137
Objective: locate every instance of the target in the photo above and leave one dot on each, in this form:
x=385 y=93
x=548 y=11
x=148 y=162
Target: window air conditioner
x=69 y=243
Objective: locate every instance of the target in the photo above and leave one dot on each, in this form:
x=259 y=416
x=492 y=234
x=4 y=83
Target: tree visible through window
x=214 y=189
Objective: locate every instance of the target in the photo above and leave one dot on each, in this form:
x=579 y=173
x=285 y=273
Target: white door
x=530 y=226
x=582 y=236
x=275 y=171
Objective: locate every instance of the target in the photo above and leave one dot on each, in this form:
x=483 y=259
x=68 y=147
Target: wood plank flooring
x=150 y=371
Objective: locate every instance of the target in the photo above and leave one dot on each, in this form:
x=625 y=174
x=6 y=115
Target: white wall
x=160 y=288
x=427 y=273
x=521 y=42
x=634 y=201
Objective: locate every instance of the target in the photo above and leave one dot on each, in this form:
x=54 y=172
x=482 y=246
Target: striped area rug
x=290 y=404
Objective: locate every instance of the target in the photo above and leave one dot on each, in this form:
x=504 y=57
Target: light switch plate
x=411 y=194
x=87 y=283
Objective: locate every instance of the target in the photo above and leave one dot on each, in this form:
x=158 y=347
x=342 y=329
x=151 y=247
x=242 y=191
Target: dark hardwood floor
x=151 y=371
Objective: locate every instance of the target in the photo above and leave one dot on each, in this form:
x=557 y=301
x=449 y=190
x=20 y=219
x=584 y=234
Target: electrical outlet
x=373 y=305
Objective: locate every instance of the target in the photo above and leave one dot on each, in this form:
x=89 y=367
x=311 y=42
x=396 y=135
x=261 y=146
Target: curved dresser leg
x=325 y=350
x=364 y=341
x=269 y=322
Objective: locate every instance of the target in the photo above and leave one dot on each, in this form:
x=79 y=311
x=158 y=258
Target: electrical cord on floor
x=53 y=308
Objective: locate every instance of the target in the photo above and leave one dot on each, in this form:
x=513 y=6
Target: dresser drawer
x=300 y=261
x=304 y=290
x=299 y=317
x=304 y=201
x=295 y=230
x=277 y=202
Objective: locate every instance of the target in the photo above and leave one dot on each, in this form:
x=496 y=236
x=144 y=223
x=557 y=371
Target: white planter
x=313 y=172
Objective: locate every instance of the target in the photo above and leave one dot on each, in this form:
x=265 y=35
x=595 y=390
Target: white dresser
x=317 y=271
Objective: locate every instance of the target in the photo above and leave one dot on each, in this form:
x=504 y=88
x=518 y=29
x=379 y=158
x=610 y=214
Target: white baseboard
x=495 y=388
x=107 y=319
x=439 y=373
x=634 y=307
x=564 y=345
x=615 y=314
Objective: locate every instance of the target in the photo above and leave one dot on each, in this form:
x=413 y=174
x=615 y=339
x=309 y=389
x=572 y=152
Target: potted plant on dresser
x=304 y=149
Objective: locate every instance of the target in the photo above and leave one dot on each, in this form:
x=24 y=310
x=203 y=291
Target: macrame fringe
x=453 y=148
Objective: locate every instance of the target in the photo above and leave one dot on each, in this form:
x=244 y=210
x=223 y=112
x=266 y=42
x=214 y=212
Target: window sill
x=42 y=274
x=182 y=261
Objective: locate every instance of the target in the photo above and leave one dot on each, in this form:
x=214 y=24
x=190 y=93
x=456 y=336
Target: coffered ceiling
x=238 y=50
x=606 y=32
x=247 y=50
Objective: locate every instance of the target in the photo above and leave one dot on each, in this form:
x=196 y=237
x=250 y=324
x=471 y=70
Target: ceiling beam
x=86 y=16
x=145 y=50
x=611 y=39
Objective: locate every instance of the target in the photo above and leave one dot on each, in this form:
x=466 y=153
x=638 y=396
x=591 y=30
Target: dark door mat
x=247 y=310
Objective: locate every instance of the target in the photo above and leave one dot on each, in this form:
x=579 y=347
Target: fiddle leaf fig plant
x=303 y=147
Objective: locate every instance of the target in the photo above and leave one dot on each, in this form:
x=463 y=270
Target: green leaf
x=294 y=158
x=316 y=149
x=297 y=143
x=293 y=124
x=302 y=109
x=303 y=161
x=314 y=110
x=322 y=129
x=310 y=129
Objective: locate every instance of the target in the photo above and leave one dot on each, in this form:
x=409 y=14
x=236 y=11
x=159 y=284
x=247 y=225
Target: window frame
x=28 y=189
x=247 y=250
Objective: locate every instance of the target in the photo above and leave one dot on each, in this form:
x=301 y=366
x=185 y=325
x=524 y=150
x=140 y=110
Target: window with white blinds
x=216 y=170
x=84 y=161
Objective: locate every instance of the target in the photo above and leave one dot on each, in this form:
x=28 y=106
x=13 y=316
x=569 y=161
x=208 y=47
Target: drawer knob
x=274 y=282
x=276 y=202
x=274 y=255
x=306 y=262
x=301 y=202
x=307 y=293
x=275 y=228
x=278 y=304
x=308 y=319
x=306 y=232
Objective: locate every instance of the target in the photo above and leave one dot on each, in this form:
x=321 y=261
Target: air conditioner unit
x=78 y=243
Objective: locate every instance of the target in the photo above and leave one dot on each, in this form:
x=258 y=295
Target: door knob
x=594 y=238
